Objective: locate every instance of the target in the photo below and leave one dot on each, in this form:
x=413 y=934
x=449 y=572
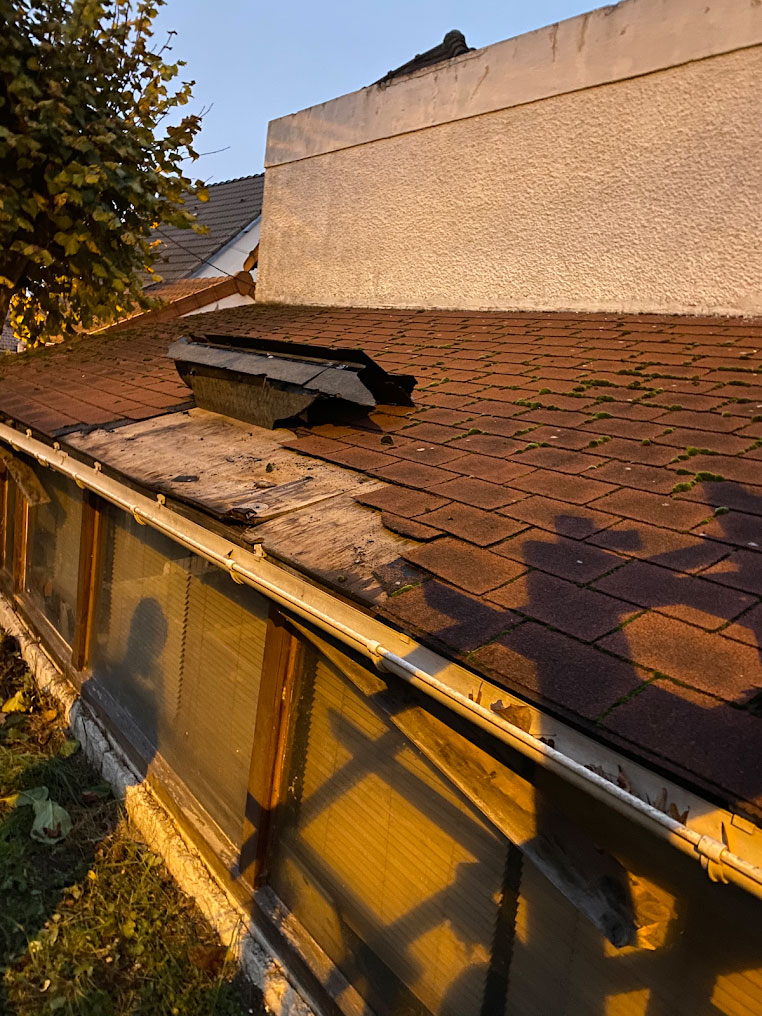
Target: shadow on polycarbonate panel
x=426 y=908
x=176 y=659
x=135 y=680
x=412 y=930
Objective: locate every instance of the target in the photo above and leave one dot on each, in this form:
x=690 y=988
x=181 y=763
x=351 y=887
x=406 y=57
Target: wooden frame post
x=280 y=665
x=20 y=541
x=4 y=488
x=89 y=561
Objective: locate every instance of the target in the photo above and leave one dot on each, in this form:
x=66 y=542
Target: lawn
x=91 y=922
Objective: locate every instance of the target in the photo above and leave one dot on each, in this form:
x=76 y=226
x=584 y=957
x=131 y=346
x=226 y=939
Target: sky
x=253 y=62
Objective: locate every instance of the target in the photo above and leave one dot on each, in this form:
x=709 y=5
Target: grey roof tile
x=232 y=205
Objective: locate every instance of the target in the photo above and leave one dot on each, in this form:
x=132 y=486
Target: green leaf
x=98 y=792
x=25 y=797
x=33 y=796
x=69 y=747
x=83 y=128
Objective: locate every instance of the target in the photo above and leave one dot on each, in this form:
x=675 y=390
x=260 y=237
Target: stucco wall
x=640 y=194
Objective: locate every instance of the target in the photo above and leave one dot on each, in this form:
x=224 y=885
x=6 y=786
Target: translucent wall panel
x=178 y=649
x=385 y=864
x=425 y=909
x=52 y=557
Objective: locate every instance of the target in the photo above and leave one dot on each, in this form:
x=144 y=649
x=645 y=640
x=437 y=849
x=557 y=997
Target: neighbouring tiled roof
x=585 y=490
x=454 y=44
x=232 y=205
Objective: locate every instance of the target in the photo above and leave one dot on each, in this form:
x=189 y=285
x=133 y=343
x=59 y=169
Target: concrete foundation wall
x=612 y=162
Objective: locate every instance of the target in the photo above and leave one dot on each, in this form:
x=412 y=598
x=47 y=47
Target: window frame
x=281 y=664
x=20 y=534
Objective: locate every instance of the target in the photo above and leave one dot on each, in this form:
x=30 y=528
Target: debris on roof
x=574 y=500
x=454 y=44
x=271 y=383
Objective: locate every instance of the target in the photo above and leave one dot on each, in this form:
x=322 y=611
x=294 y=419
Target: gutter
x=355 y=629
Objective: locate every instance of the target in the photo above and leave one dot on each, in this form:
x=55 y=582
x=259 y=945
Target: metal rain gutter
x=347 y=623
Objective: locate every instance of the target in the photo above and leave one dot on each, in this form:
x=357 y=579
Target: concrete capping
x=633 y=38
x=185 y=864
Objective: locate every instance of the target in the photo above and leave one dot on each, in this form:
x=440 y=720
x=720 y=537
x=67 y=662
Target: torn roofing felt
x=268 y=382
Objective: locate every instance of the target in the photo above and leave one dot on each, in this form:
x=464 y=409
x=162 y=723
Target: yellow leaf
x=17 y=703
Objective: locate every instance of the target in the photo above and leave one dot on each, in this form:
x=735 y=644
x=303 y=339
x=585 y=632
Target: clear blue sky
x=254 y=61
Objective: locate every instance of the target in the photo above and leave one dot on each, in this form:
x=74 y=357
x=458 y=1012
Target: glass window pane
x=52 y=559
x=178 y=648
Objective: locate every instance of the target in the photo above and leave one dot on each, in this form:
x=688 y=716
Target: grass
x=93 y=925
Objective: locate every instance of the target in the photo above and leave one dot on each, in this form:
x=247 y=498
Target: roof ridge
x=236 y=179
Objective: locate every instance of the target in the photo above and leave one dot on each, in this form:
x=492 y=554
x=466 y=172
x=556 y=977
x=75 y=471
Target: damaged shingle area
x=584 y=490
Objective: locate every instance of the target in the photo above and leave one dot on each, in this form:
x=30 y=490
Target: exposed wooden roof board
x=303 y=511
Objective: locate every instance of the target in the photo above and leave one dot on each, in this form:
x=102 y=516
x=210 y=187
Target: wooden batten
x=19 y=544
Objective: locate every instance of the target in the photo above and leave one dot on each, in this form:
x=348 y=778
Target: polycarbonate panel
x=395 y=877
x=179 y=647
x=384 y=863
x=52 y=556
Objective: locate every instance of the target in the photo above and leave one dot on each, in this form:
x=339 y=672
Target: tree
x=90 y=161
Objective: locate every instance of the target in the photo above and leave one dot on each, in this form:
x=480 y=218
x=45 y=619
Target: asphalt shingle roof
x=585 y=490
x=232 y=205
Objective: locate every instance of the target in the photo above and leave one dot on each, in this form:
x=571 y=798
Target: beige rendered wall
x=612 y=162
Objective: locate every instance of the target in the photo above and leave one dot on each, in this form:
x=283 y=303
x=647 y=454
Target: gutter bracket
x=712 y=854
